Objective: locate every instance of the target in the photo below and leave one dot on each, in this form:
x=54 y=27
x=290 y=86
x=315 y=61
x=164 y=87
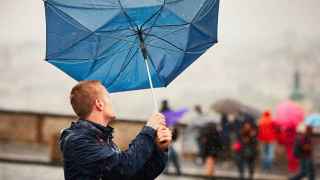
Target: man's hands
x=164 y=138
x=156 y=121
x=164 y=135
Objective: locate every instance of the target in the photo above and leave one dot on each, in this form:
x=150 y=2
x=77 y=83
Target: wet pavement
x=34 y=172
x=32 y=162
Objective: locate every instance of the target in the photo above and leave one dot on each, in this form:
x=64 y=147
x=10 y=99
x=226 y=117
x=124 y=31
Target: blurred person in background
x=303 y=150
x=289 y=135
x=225 y=135
x=200 y=115
x=210 y=139
x=173 y=155
x=165 y=106
x=267 y=137
x=89 y=151
x=246 y=149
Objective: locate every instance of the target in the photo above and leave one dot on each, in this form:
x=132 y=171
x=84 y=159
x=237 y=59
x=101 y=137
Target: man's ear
x=99 y=105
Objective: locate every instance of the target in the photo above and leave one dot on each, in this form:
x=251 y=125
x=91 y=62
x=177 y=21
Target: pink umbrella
x=289 y=114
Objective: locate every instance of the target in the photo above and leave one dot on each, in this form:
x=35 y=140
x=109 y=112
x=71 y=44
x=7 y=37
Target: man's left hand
x=164 y=138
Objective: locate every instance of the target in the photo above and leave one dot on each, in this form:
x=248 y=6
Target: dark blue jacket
x=90 y=154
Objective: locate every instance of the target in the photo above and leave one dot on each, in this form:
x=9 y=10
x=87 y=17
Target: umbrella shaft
x=155 y=99
x=142 y=45
x=145 y=57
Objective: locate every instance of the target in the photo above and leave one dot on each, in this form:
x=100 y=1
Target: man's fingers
x=161 y=135
x=166 y=137
x=161 y=117
x=162 y=132
x=162 y=129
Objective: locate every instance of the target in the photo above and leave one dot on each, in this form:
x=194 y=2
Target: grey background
x=260 y=44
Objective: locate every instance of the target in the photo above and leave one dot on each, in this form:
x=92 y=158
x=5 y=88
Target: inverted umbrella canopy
x=110 y=40
x=313 y=120
x=288 y=114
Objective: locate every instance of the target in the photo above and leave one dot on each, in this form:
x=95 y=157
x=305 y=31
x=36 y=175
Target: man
x=89 y=152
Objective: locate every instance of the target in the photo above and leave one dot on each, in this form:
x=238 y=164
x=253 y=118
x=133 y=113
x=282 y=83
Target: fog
x=261 y=43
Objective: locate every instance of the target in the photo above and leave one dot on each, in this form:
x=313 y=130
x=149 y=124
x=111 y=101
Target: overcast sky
x=259 y=44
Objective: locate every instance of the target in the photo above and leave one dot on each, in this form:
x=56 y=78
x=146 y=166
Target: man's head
x=90 y=101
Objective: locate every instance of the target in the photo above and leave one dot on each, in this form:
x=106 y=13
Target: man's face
x=107 y=110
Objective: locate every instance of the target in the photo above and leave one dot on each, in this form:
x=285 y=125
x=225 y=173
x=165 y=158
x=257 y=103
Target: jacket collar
x=97 y=127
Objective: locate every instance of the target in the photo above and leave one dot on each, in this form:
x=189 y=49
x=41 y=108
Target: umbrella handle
x=154 y=96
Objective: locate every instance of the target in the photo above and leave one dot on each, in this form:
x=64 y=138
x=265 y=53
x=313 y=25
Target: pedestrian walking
x=225 y=135
x=304 y=151
x=246 y=150
x=267 y=137
x=173 y=154
x=210 y=139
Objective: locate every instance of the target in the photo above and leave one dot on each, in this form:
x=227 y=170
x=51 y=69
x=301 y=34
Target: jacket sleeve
x=154 y=166
x=94 y=157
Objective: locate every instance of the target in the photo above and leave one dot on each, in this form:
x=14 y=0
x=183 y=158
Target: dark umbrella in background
x=231 y=106
x=129 y=44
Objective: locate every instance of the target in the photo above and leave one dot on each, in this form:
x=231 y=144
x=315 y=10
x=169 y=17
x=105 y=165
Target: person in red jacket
x=267 y=136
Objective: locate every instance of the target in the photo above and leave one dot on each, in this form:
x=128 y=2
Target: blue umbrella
x=129 y=44
x=313 y=120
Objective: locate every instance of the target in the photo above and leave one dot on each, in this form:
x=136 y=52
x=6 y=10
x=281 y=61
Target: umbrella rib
x=168 y=25
x=155 y=14
x=126 y=65
x=58 y=11
x=160 y=38
x=214 y=4
x=115 y=30
x=82 y=7
x=192 y=21
x=118 y=40
x=169 y=33
x=80 y=40
x=85 y=37
x=128 y=17
x=75 y=59
x=154 y=22
x=99 y=59
x=122 y=39
x=113 y=54
x=199 y=45
x=184 y=51
x=71 y=61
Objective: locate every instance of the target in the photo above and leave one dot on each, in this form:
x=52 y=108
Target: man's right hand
x=164 y=138
x=155 y=121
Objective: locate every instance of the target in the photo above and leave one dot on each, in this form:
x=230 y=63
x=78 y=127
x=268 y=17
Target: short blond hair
x=83 y=96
